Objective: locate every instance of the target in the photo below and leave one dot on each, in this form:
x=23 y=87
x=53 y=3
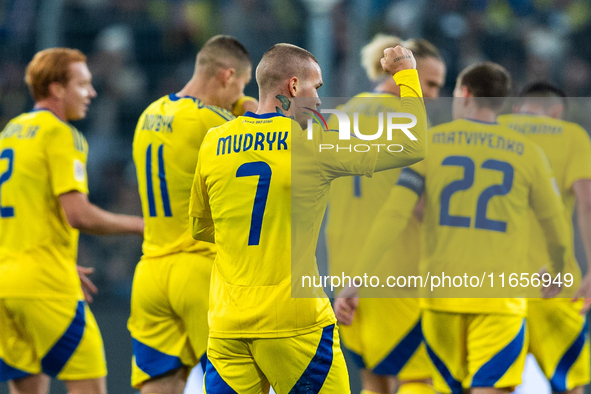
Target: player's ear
x=465 y=92
x=293 y=86
x=556 y=111
x=226 y=74
x=57 y=89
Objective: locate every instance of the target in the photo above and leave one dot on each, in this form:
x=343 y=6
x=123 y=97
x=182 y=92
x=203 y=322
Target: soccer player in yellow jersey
x=479 y=181
x=385 y=338
x=169 y=301
x=246 y=198
x=46 y=329
x=557 y=327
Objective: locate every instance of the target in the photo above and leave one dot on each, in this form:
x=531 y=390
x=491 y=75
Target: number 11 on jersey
x=161 y=178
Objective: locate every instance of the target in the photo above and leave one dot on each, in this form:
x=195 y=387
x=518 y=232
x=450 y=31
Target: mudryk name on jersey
x=478 y=138
x=257 y=141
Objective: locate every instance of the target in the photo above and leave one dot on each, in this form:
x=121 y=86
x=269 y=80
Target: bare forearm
x=97 y=221
x=89 y=218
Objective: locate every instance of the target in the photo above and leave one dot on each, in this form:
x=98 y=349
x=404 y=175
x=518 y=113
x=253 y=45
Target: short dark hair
x=280 y=62
x=223 y=51
x=488 y=82
x=543 y=90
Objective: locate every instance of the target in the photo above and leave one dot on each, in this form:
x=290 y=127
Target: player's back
x=41 y=157
x=165 y=150
x=267 y=220
x=568 y=149
x=246 y=169
x=480 y=181
x=355 y=201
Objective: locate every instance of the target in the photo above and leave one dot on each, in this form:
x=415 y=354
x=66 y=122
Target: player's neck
x=388 y=86
x=278 y=103
x=532 y=109
x=202 y=89
x=479 y=114
x=54 y=106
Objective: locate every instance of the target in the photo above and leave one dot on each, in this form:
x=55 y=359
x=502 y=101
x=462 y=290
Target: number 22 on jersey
x=481 y=221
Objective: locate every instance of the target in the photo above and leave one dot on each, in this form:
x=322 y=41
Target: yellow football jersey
x=244 y=183
x=41 y=158
x=165 y=149
x=480 y=181
x=355 y=202
x=568 y=148
x=267 y=217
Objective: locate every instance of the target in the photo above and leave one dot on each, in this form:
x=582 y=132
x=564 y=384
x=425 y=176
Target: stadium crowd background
x=140 y=50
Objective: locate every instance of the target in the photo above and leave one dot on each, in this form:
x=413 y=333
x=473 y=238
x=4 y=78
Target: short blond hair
x=374 y=51
x=49 y=66
x=282 y=61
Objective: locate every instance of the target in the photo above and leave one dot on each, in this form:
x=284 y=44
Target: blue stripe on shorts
x=496 y=367
x=57 y=357
x=10 y=373
x=315 y=374
x=152 y=361
x=214 y=383
x=402 y=352
x=558 y=381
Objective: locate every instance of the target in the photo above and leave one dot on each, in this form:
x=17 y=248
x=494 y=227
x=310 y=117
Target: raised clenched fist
x=398 y=59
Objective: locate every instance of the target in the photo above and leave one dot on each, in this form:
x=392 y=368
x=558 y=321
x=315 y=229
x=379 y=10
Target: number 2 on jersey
x=263 y=170
x=481 y=222
x=161 y=178
x=6 y=154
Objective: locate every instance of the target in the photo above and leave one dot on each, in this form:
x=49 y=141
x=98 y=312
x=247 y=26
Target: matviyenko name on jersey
x=490 y=140
x=258 y=141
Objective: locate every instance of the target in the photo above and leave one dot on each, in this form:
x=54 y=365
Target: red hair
x=49 y=66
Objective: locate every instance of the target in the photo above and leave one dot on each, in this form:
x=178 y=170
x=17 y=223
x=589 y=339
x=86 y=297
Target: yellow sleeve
x=579 y=162
x=547 y=204
x=544 y=193
x=338 y=158
x=199 y=202
x=390 y=221
x=556 y=233
x=238 y=108
x=411 y=102
x=67 y=151
x=217 y=116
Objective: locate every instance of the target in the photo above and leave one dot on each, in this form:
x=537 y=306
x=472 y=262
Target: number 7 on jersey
x=263 y=171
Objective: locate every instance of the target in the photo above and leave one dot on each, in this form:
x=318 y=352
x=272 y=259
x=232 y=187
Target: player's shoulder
x=575 y=129
x=447 y=126
x=172 y=103
x=42 y=117
x=365 y=99
x=48 y=123
x=216 y=112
